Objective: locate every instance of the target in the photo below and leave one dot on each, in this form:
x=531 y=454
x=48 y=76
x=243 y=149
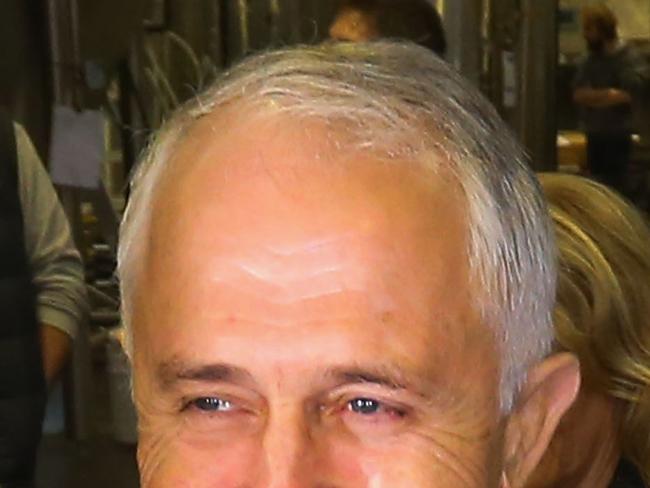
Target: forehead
x=268 y=222
x=242 y=182
x=273 y=182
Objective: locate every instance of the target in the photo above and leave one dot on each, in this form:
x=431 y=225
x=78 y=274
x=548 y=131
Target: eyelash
x=380 y=408
x=194 y=405
x=353 y=406
x=209 y=402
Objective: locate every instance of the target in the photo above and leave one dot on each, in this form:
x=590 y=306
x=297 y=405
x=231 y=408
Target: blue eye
x=210 y=404
x=364 y=406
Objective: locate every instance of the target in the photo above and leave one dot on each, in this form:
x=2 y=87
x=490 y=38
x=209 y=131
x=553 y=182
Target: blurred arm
x=56 y=265
x=601 y=98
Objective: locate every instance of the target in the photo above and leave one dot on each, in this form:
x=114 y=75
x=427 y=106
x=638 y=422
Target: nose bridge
x=289 y=448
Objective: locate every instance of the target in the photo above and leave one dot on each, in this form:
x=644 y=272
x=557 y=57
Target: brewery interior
x=129 y=63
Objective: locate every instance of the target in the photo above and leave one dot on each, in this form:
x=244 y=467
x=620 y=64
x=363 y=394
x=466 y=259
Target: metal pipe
x=274 y=14
x=77 y=73
x=55 y=43
x=244 y=26
x=224 y=31
x=538 y=65
x=462 y=22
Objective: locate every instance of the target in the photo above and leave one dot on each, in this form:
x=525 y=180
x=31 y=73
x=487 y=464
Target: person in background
x=603 y=317
x=413 y=20
x=606 y=85
x=42 y=299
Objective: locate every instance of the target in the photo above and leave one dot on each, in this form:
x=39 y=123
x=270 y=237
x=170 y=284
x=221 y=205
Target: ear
x=550 y=390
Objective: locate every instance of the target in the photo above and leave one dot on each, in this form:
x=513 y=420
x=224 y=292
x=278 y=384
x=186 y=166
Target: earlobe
x=550 y=390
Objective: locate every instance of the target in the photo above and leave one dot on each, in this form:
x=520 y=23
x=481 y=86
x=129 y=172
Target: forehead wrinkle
x=304 y=270
x=283 y=271
x=257 y=272
x=285 y=320
x=305 y=300
x=287 y=294
x=310 y=247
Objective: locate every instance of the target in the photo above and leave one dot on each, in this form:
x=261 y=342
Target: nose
x=289 y=451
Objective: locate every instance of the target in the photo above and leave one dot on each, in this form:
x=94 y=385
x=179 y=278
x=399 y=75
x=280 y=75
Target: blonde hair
x=603 y=299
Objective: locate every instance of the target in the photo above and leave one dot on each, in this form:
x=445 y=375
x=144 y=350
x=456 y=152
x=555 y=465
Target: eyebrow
x=392 y=377
x=364 y=375
x=170 y=373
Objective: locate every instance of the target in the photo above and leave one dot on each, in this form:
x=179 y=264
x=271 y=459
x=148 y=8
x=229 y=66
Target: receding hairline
x=329 y=138
x=182 y=156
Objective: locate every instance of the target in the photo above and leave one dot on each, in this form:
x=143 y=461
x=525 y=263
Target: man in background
x=42 y=300
x=413 y=20
x=607 y=82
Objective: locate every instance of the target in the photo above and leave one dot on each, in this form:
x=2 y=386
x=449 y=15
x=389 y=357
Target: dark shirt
x=22 y=385
x=623 y=69
x=626 y=476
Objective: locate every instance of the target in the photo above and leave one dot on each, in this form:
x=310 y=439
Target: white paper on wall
x=510 y=85
x=77 y=150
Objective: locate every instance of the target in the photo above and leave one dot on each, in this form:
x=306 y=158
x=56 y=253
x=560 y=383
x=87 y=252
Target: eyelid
x=188 y=403
x=381 y=393
x=241 y=401
x=389 y=400
x=384 y=407
x=215 y=405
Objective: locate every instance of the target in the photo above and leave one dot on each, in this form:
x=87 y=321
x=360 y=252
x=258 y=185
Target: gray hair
x=394 y=95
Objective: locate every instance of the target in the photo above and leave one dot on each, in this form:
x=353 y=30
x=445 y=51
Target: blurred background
x=133 y=61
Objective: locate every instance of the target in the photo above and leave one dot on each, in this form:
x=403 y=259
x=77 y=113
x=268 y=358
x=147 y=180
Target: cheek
x=444 y=458
x=167 y=461
x=439 y=462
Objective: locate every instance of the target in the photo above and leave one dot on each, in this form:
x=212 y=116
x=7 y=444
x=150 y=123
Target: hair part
x=603 y=299
x=386 y=95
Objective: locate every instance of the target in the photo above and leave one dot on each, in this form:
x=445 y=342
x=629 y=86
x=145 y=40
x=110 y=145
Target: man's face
x=593 y=36
x=353 y=25
x=303 y=319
